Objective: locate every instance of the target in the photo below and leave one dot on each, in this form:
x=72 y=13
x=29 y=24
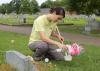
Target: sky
x=7 y=1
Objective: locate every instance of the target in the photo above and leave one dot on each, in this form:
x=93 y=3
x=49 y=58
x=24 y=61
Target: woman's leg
x=40 y=48
x=55 y=55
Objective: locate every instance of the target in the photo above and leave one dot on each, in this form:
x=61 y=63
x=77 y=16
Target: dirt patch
x=41 y=66
x=6 y=67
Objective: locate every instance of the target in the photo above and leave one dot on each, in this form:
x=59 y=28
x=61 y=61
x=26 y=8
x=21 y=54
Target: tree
x=9 y=8
x=34 y=6
x=15 y=4
x=46 y=4
x=3 y=9
x=83 y=6
x=25 y=7
x=29 y=6
x=20 y=6
x=51 y=4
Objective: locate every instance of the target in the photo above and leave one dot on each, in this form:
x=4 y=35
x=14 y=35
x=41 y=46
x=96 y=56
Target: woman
x=40 y=41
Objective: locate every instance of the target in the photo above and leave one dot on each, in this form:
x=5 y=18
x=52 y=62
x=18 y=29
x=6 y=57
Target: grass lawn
x=74 y=29
x=78 y=27
x=98 y=19
x=89 y=61
x=12 y=20
x=13 y=41
x=75 y=21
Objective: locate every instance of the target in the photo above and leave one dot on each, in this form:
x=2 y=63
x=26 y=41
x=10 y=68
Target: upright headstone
x=92 y=25
x=24 y=18
x=20 y=61
x=0 y=15
x=20 y=18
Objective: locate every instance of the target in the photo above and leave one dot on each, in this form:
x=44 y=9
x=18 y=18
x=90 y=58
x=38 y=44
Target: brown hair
x=58 y=10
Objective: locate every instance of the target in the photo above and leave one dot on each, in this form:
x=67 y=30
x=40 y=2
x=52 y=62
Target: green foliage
x=20 y=6
x=3 y=9
x=83 y=6
x=15 y=5
x=51 y=4
x=25 y=6
x=34 y=6
x=47 y=4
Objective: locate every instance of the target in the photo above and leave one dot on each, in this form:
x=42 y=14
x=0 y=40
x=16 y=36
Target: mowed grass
x=75 y=21
x=75 y=29
x=13 y=41
x=14 y=20
x=89 y=61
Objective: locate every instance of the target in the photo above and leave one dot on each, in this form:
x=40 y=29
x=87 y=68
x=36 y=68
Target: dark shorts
x=44 y=50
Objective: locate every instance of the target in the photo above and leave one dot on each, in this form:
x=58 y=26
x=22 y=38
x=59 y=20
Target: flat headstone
x=19 y=61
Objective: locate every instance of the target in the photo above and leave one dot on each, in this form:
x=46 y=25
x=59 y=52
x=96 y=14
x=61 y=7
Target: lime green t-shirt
x=41 y=24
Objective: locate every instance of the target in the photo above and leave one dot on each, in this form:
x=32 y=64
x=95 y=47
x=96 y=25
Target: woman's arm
x=48 y=40
x=54 y=34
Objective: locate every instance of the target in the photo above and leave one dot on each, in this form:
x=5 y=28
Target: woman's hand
x=61 y=46
x=58 y=36
x=61 y=39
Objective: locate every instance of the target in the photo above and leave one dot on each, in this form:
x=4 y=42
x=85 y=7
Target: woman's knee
x=31 y=46
x=43 y=46
x=39 y=45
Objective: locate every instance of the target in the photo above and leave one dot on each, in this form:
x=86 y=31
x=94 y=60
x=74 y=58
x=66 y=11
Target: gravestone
x=20 y=61
x=92 y=25
x=4 y=16
x=20 y=17
x=35 y=16
x=83 y=16
x=1 y=15
x=25 y=18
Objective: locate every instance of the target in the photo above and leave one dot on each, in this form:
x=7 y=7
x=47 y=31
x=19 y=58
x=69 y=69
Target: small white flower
x=46 y=60
x=55 y=65
x=12 y=41
x=30 y=58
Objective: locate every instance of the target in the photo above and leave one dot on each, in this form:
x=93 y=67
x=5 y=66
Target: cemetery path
x=26 y=30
